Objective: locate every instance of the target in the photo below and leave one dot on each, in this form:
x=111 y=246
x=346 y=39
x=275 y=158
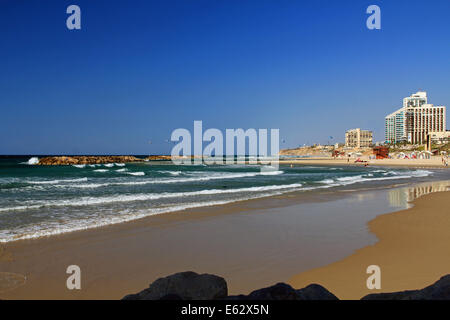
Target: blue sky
x=137 y=70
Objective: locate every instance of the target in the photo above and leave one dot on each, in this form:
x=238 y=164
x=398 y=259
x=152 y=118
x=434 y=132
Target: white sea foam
x=32 y=161
x=140 y=173
x=109 y=165
x=218 y=176
x=59 y=227
x=198 y=176
x=271 y=173
x=195 y=178
x=52 y=228
x=172 y=173
x=396 y=175
x=80 y=166
x=351 y=178
x=56 y=181
x=82 y=186
x=121 y=170
x=120 y=164
x=415 y=173
x=311 y=167
x=87 y=201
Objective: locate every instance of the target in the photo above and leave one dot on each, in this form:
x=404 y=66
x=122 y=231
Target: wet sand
x=252 y=244
x=412 y=252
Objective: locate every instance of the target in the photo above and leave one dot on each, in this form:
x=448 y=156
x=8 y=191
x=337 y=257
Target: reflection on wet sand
x=403 y=197
x=411 y=250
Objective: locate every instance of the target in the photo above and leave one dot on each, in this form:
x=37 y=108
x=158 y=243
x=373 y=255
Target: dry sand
x=435 y=162
x=413 y=252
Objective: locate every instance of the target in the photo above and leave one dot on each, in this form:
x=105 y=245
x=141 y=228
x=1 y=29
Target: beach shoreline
x=119 y=259
x=411 y=252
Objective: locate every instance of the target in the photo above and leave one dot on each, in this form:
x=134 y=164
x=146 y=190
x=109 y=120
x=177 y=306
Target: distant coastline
x=326 y=160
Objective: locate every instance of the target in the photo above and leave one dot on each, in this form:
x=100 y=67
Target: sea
x=38 y=201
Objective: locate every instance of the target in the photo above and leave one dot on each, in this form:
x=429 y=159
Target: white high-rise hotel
x=415 y=120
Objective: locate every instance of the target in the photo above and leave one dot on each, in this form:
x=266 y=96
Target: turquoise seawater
x=40 y=201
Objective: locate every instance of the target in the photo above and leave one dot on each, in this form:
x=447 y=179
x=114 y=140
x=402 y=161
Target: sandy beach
x=252 y=244
x=412 y=252
x=434 y=162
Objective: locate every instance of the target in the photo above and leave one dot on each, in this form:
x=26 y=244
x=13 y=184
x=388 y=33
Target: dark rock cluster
x=440 y=290
x=192 y=286
x=283 y=291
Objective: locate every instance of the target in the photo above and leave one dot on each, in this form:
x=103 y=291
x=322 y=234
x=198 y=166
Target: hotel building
x=357 y=138
x=439 y=137
x=413 y=122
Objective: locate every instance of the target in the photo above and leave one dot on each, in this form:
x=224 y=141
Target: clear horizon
x=137 y=71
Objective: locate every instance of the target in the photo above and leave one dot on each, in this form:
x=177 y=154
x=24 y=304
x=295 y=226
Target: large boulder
x=186 y=286
x=315 y=292
x=440 y=290
x=283 y=291
x=280 y=291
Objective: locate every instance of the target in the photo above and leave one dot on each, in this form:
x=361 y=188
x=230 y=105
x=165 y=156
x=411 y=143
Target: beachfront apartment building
x=395 y=126
x=357 y=138
x=413 y=122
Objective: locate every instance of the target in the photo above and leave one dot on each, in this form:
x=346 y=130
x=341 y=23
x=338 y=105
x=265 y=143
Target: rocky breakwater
x=66 y=160
x=159 y=158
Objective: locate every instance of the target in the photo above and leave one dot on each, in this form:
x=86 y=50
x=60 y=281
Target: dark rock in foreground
x=280 y=291
x=186 y=286
x=315 y=292
x=283 y=291
x=440 y=290
x=192 y=286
